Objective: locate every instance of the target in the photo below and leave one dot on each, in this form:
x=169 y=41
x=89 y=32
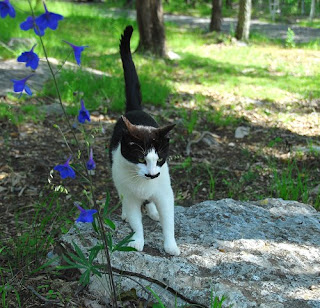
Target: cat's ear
x=130 y=127
x=163 y=131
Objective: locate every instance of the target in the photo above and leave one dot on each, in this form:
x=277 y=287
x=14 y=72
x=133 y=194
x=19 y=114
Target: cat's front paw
x=124 y=216
x=137 y=243
x=172 y=248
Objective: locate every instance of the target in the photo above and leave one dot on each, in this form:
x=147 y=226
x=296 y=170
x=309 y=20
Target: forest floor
x=270 y=160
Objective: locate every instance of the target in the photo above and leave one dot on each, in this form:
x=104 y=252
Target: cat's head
x=145 y=146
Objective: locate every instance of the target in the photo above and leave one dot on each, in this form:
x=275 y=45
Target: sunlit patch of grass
x=263 y=71
x=291 y=183
x=26 y=112
x=222 y=119
x=315 y=23
x=259 y=72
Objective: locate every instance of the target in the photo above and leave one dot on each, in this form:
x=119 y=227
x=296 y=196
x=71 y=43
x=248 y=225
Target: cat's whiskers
x=132 y=176
x=143 y=151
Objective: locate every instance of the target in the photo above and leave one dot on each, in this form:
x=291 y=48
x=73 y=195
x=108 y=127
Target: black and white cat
x=138 y=154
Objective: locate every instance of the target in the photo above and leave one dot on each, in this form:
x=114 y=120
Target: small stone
x=241 y=132
x=95 y=113
x=315 y=191
x=173 y=56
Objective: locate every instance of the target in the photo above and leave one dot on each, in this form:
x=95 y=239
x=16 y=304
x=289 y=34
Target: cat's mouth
x=152 y=176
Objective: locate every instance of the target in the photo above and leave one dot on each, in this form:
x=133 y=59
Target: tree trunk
x=302 y=7
x=244 y=16
x=229 y=4
x=216 y=15
x=151 y=27
x=312 y=9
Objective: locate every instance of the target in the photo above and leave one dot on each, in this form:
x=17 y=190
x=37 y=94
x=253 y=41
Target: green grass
x=292 y=183
x=24 y=255
x=263 y=70
x=24 y=113
x=315 y=23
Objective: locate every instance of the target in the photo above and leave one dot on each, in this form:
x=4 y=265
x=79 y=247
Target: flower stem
x=100 y=221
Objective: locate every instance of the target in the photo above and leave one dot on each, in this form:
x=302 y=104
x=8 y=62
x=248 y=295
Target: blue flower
x=65 y=170
x=20 y=85
x=85 y=215
x=77 y=51
x=30 y=57
x=91 y=163
x=30 y=23
x=7 y=9
x=48 y=19
x=83 y=113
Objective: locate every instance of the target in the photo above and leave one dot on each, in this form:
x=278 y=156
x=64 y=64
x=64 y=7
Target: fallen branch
x=204 y=134
x=46 y=300
x=7 y=47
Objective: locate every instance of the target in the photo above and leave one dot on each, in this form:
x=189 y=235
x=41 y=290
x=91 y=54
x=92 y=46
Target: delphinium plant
x=83 y=158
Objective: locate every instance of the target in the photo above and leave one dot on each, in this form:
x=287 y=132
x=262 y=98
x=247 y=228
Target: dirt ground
x=218 y=166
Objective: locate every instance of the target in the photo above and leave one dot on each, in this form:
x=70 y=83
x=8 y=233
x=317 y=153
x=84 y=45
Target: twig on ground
x=157 y=282
x=46 y=300
x=7 y=47
x=205 y=133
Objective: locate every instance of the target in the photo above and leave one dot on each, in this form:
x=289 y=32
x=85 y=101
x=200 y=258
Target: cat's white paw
x=124 y=216
x=152 y=211
x=137 y=243
x=172 y=248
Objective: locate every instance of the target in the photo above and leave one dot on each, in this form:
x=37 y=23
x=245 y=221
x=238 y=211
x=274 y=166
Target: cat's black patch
x=143 y=136
x=137 y=131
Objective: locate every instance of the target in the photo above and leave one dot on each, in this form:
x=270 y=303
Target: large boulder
x=257 y=254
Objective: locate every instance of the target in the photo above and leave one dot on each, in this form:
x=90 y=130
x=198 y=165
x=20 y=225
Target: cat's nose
x=152 y=176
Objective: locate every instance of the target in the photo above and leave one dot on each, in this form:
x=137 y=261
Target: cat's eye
x=141 y=160
x=160 y=160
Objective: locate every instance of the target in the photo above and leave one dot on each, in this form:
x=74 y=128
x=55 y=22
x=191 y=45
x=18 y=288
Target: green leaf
x=110 y=223
x=126 y=248
x=106 y=205
x=96 y=272
x=85 y=278
x=94 y=252
x=78 y=259
x=156 y=296
x=123 y=243
x=45 y=265
x=78 y=251
x=109 y=241
x=94 y=225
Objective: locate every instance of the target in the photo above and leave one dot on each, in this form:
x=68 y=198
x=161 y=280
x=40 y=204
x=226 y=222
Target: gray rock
x=258 y=254
x=241 y=132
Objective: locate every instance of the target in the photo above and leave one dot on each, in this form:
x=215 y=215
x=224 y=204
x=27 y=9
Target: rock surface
x=258 y=254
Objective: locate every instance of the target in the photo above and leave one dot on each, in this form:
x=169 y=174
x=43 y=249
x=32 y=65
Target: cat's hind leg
x=152 y=211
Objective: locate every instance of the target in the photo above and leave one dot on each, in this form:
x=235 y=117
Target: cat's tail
x=133 y=93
